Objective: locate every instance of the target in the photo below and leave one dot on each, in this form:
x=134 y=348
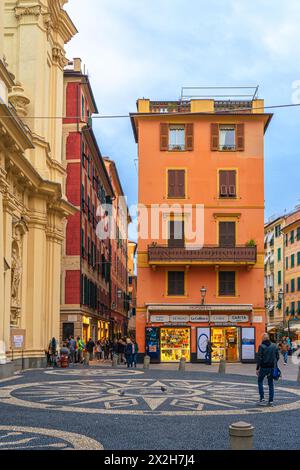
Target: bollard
x=298 y=378
x=182 y=364
x=115 y=359
x=241 y=436
x=146 y=362
x=222 y=367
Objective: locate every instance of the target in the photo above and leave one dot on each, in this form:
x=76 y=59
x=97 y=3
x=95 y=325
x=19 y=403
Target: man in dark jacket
x=89 y=351
x=267 y=358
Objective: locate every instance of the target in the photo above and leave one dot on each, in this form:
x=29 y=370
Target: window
x=292 y=236
x=89 y=250
x=298 y=233
x=292 y=261
x=82 y=106
x=82 y=198
x=177 y=137
x=287 y=263
x=89 y=208
x=176 y=234
x=286 y=240
x=287 y=288
x=227 y=137
x=176 y=183
x=227 y=234
x=298 y=258
x=292 y=285
x=89 y=167
x=175 y=282
x=292 y=308
x=130 y=280
x=227 y=283
x=227 y=183
x=279 y=277
x=298 y=307
x=278 y=254
x=298 y=283
x=82 y=243
x=277 y=231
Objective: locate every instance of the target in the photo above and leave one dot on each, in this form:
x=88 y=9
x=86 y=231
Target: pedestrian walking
x=80 y=348
x=72 y=348
x=98 y=350
x=135 y=353
x=267 y=359
x=52 y=351
x=284 y=349
x=129 y=352
x=89 y=351
x=208 y=352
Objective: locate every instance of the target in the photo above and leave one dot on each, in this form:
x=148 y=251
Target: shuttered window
x=176 y=183
x=227 y=183
x=175 y=282
x=227 y=283
x=227 y=234
x=176 y=137
x=292 y=285
x=227 y=137
x=176 y=234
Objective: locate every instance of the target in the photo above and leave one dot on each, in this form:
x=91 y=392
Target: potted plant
x=251 y=242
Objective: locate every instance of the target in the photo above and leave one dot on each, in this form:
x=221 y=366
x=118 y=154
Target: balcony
x=209 y=254
x=170 y=107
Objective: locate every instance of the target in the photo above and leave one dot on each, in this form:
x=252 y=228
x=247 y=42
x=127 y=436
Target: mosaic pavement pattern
x=28 y=438
x=142 y=396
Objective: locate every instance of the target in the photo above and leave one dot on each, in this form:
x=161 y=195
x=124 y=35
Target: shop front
x=232 y=335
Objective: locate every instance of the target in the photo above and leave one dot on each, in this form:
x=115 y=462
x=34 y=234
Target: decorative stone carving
x=19 y=100
x=19 y=229
x=34 y=10
x=58 y=56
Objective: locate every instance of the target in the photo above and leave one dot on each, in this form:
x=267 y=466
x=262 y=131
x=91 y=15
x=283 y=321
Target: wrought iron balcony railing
x=209 y=253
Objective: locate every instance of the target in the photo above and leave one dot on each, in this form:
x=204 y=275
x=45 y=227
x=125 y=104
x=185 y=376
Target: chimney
x=77 y=65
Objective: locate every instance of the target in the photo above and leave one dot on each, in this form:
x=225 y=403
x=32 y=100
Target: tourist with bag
x=267 y=359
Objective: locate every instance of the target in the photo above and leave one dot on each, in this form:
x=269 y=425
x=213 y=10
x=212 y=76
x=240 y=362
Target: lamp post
x=203 y=294
x=280 y=302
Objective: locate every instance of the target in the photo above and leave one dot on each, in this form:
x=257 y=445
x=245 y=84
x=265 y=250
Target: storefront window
x=174 y=344
x=225 y=344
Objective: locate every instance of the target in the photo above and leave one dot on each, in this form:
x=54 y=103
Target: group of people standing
x=127 y=351
x=78 y=352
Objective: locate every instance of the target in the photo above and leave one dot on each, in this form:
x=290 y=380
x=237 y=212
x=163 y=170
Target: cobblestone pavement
x=100 y=407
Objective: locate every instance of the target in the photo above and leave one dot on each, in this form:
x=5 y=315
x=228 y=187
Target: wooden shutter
x=227 y=234
x=174 y=240
x=164 y=136
x=227 y=283
x=175 y=283
x=180 y=183
x=240 y=137
x=214 y=136
x=189 y=137
x=232 y=183
x=171 y=183
x=223 y=180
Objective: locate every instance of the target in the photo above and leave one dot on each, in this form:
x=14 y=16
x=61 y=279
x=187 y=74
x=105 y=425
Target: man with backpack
x=267 y=359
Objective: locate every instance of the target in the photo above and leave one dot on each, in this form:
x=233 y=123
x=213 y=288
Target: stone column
x=36 y=276
x=2 y=267
x=7 y=243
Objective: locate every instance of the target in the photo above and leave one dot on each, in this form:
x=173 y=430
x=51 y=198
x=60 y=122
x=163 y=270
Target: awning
x=267 y=258
x=270 y=236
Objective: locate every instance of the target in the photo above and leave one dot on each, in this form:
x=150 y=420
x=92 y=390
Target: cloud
x=137 y=48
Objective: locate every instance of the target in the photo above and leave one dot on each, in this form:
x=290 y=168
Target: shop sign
x=219 y=318
x=248 y=344
x=238 y=318
x=258 y=319
x=160 y=318
x=199 y=318
x=72 y=318
x=179 y=318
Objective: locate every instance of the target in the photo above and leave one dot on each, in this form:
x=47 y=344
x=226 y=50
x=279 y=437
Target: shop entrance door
x=85 y=333
x=225 y=344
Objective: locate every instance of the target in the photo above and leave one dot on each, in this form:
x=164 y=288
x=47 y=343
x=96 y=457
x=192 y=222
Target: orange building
x=206 y=155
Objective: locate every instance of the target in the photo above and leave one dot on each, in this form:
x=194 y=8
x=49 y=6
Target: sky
x=151 y=48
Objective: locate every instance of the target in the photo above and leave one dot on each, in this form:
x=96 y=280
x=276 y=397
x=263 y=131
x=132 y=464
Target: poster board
x=203 y=335
x=17 y=339
x=248 y=344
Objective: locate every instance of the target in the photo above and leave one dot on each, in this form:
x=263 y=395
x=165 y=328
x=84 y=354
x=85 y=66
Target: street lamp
x=203 y=294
